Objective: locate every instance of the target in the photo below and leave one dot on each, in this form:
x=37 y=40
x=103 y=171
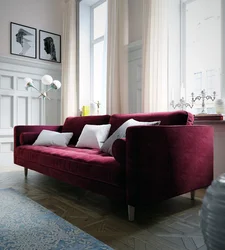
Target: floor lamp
x=51 y=85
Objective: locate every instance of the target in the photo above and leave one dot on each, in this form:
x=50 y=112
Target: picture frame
x=23 y=40
x=49 y=46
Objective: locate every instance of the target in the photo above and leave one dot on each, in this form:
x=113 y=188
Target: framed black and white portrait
x=49 y=46
x=23 y=40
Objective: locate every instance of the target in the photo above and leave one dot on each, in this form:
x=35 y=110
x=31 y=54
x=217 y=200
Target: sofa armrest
x=18 y=130
x=166 y=161
x=28 y=138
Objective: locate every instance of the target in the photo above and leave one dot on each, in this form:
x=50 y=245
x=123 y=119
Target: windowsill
x=209 y=122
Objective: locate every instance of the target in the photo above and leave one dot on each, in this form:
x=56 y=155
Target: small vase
x=219 y=105
x=213 y=215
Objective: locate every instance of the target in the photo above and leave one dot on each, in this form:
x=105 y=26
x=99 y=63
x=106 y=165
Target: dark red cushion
x=167 y=118
x=119 y=150
x=87 y=163
x=77 y=123
x=28 y=138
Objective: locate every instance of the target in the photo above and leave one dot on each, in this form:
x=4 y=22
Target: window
x=98 y=27
x=202 y=49
x=92 y=54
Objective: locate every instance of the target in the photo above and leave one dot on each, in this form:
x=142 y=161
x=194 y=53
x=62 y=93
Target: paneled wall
x=135 y=76
x=21 y=107
x=219 y=145
x=135 y=54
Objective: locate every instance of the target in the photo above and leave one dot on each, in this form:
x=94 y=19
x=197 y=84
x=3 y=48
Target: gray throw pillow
x=121 y=133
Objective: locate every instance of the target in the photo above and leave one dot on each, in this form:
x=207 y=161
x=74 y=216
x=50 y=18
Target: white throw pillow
x=52 y=138
x=121 y=133
x=93 y=136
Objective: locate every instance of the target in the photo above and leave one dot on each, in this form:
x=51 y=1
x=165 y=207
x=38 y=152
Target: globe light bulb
x=28 y=82
x=47 y=80
x=56 y=84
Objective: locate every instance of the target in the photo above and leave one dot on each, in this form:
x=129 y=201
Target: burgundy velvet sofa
x=152 y=164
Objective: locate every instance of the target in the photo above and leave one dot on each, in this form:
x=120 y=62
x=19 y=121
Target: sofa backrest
x=77 y=123
x=167 y=118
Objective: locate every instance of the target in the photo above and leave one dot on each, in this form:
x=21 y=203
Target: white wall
x=18 y=106
x=39 y=14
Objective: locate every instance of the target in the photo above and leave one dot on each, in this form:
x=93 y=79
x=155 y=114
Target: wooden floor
x=106 y=220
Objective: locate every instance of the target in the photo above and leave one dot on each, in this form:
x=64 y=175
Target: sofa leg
x=25 y=171
x=192 y=195
x=131 y=213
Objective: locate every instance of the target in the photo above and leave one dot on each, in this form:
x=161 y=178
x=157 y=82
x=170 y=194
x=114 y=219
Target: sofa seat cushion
x=87 y=163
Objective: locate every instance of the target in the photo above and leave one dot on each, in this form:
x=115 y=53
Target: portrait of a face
x=23 y=40
x=20 y=35
x=49 y=46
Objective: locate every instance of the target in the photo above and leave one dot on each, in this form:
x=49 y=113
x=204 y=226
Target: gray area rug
x=26 y=225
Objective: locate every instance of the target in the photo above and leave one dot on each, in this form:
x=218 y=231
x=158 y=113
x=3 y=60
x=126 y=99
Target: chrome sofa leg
x=25 y=171
x=131 y=213
x=192 y=195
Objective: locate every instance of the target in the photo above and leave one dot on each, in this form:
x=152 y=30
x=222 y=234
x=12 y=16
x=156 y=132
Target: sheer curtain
x=155 y=55
x=69 y=93
x=117 y=57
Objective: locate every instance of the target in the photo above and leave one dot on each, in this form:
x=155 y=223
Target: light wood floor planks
x=171 y=225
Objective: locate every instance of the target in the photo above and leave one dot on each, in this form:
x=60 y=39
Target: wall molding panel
x=21 y=107
x=135 y=76
x=6 y=61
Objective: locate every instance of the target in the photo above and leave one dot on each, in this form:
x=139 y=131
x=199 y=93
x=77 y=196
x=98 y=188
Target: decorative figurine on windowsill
x=98 y=106
x=202 y=97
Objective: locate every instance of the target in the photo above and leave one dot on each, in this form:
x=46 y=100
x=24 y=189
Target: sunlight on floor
x=12 y=168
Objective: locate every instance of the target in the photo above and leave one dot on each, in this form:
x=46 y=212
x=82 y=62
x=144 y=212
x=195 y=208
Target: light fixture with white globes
x=46 y=80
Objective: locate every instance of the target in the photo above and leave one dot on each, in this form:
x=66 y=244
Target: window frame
x=93 y=42
x=183 y=56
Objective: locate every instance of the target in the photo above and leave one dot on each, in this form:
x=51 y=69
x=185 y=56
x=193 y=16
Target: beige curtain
x=155 y=55
x=117 y=57
x=69 y=93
